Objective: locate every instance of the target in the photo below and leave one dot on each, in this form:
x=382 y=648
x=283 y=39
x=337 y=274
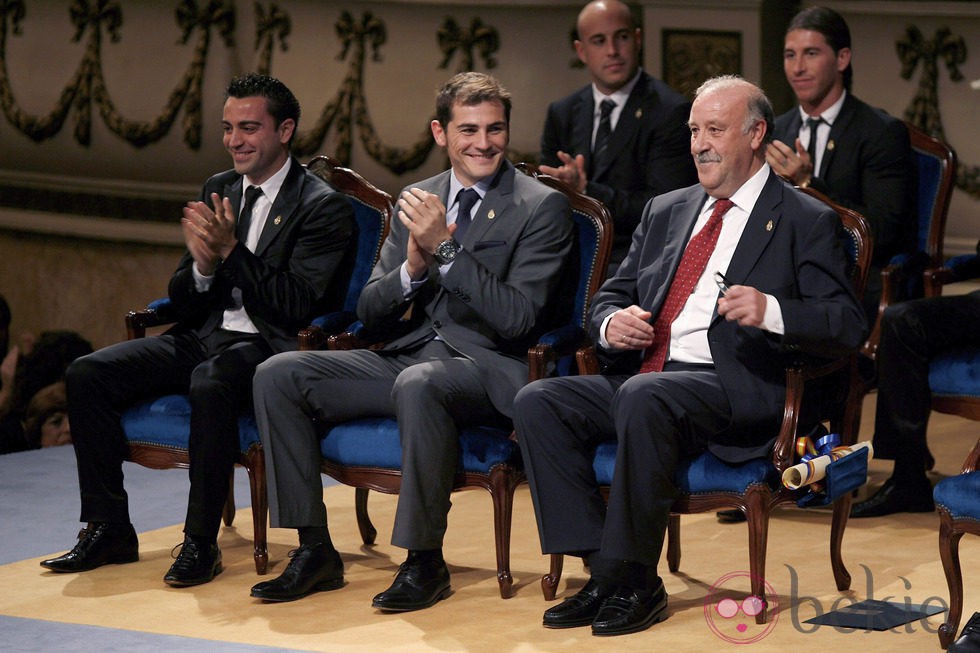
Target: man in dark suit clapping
x=630 y=151
x=267 y=244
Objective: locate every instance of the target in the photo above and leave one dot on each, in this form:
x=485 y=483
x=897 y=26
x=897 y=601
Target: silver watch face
x=446 y=251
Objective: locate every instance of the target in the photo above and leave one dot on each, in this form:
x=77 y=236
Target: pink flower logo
x=731 y=615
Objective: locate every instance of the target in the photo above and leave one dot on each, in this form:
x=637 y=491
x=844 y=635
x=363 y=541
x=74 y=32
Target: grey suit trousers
x=430 y=391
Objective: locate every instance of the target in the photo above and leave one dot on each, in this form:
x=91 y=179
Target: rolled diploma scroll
x=815 y=469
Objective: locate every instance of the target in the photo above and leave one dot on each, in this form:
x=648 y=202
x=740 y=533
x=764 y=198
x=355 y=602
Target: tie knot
x=252 y=193
x=813 y=123
x=721 y=207
x=605 y=108
x=466 y=198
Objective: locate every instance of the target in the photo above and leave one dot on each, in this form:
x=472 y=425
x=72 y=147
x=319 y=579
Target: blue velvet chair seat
x=705 y=473
x=960 y=495
x=375 y=442
x=956 y=373
x=165 y=422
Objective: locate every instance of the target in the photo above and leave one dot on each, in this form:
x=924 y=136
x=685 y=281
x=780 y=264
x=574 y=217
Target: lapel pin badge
x=277 y=220
x=639 y=114
x=830 y=145
x=491 y=215
x=769 y=226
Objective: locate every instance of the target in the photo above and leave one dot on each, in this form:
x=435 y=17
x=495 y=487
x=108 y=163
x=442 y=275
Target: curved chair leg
x=503 y=481
x=842 y=510
x=757 y=515
x=255 y=466
x=549 y=582
x=949 y=553
x=674 y=542
x=228 y=514
x=368 y=532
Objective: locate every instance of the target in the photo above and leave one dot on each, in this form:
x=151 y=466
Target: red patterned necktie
x=691 y=268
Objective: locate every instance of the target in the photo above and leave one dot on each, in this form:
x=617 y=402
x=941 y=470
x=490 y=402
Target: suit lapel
x=836 y=135
x=626 y=127
x=285 y=205
x=759 y=230
x=494 y=206
x=233 y=192
x=683 y=216
x=582 y=119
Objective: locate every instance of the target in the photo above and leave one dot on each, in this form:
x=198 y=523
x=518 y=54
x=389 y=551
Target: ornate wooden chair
x=958 y=499
x=706 y=483
x=366 y=453
x=158 y=429
x=935 y=170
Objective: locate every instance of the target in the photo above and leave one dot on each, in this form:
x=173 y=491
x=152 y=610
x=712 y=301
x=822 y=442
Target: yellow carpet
x=892 y=558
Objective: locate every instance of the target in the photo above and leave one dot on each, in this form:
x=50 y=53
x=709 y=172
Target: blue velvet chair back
x=372 y=213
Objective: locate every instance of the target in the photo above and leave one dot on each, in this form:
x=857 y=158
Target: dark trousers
x=216 y=372
x=912 y=333
x=656 y=418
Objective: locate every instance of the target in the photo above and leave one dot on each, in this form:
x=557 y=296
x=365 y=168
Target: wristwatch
x=446 y=251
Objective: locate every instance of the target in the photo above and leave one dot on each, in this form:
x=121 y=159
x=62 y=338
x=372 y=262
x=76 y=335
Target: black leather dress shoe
x=969 y=640
x=419 y=584
x=630 y=611
x=316 y=568
x=195 y=565
x=733 y=516
x=99 y=544
x=577 y=610
x=895 y=497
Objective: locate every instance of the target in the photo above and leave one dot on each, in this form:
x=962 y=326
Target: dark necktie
x=467 y=199
x=603 y=133
x=689 y=270
x=811 y=149
x=252 y=193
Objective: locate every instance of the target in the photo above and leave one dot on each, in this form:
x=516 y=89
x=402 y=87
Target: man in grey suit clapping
x=459 y=292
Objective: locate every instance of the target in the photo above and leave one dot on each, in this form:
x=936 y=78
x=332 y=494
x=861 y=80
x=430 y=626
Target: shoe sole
x=325 y=586
x=654 y=618
x=116 y=560
x=176 y=582
x=414 y=606
x=568 y=624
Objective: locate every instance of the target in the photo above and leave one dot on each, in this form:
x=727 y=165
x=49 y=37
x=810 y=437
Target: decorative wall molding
x=923 y=110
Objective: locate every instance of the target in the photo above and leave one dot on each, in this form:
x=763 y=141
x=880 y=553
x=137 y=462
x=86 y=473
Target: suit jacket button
x=437 y=324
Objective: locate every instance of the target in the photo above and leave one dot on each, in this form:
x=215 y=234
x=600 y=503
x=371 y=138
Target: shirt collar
x=270 y=187
x=619 y=97
x=455 y=185
x=748 y=193
x=830 y=115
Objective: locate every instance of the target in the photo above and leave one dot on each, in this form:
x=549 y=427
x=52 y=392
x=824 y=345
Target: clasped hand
x=424 y=216
x=630 y=327
x=572 y=171
x=792 y=165
x=209 y=233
